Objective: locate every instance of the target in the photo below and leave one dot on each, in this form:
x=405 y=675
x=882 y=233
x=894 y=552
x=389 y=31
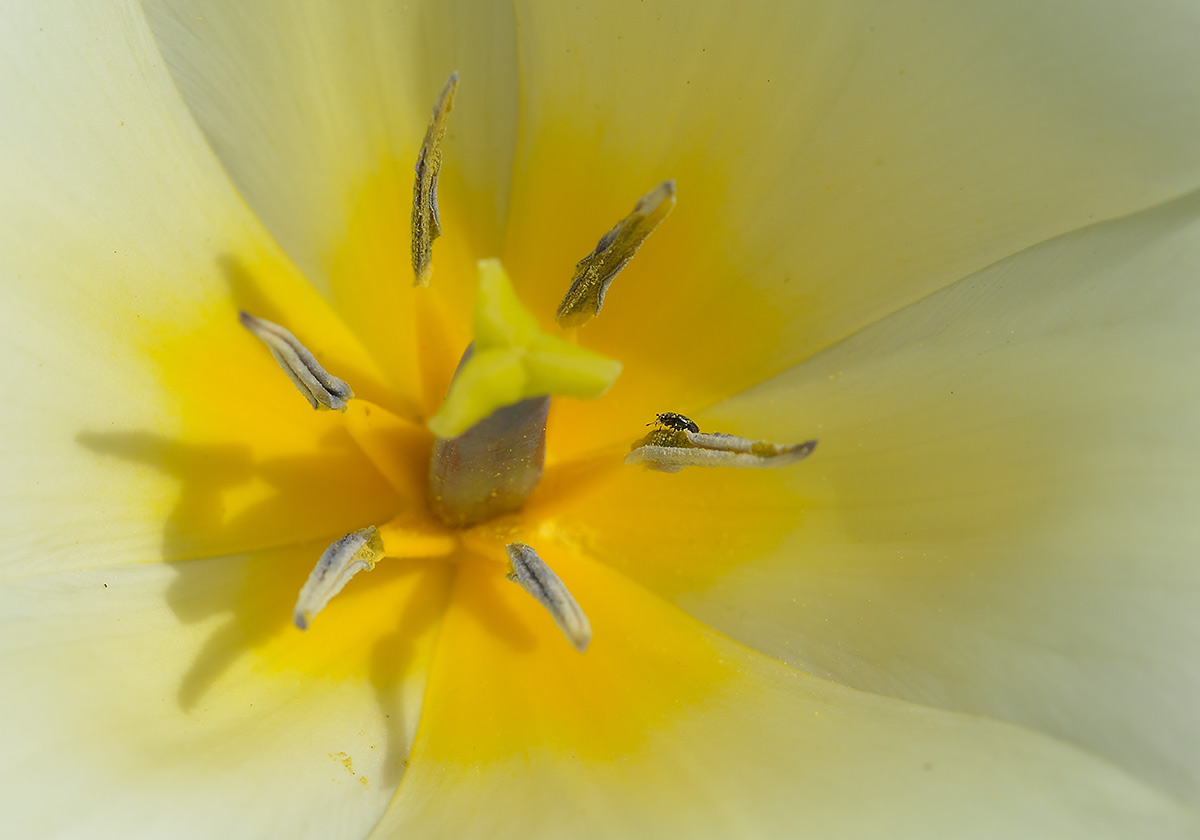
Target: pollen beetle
x=675 y=421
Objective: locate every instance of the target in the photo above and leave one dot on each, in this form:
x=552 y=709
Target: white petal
x=176 y=700
x=664 y=729
x=835 y=161
x=318 y=111
x=124 y=256
x=1001 y=515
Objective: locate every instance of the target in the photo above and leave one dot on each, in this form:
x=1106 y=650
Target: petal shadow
x=209 y=520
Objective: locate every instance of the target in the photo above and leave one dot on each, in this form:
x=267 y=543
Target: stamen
x=670 y=449
x=322 y=390
x=426 y=226
x=530 y=571
x=596 y=271
x=344 y=559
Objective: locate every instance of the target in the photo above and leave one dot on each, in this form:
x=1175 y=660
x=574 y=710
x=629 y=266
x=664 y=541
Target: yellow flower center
x=497 y=526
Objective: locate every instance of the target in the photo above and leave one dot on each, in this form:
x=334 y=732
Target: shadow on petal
x=491 y=611
x=229 y=503
x=394 y=658
x=300 y=309
x=255 y=601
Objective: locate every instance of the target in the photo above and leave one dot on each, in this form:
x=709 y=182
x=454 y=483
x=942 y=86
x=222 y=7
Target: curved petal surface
x=125 y=255
x=666 y=729
x=1000 y=517
x=176 y=699
x=835 y=161
x=318 y=111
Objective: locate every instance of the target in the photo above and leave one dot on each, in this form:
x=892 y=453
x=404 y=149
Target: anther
x=531 y=573
x=426 y=226
x=344 y=559
x=595 y=272
x=671 y=447
x=322 y=390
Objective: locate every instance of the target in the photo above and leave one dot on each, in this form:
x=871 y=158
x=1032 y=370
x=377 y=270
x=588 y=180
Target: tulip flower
x=932 y=266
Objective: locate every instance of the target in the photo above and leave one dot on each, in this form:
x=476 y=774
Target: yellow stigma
x=511 y=359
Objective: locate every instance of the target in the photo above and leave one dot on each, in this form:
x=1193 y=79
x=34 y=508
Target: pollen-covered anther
x=344 y=559
x=322 y=390
x=426 y=225
x=671 y=448
x=531 y=573
x=595 y=272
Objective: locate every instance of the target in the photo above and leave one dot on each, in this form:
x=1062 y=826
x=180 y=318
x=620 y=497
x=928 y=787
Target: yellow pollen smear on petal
x=512 y=360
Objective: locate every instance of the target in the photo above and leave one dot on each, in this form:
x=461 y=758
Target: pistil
x=491 y=468
x=490 y=430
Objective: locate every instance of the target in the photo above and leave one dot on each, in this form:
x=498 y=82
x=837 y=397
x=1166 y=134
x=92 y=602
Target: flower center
x=490 y=432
